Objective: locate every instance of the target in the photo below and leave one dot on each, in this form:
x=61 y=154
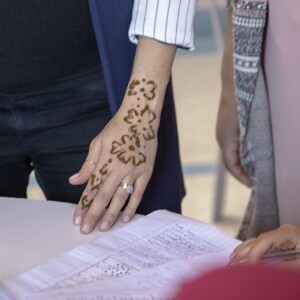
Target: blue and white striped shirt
x=168 y=21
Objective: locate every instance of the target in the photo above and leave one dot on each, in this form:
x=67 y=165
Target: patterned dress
x=256 y=147
x=269 y=118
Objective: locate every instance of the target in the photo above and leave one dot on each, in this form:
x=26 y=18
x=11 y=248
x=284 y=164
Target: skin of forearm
x=130 y=137
x=227 y=75
x=227 y=105
x=152 y=68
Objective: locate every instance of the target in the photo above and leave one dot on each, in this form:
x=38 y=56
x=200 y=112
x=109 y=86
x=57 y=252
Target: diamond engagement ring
x=128 y=188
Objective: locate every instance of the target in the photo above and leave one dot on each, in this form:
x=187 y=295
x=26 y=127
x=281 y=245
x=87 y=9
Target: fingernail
x=86 y=228
x=74 y=176
x=78 y=220
x=104 y=226
x=126 y=219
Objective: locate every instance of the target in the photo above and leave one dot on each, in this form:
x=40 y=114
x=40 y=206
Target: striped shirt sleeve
x=168 y=21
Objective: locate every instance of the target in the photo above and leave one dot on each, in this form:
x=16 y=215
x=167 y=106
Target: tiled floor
x=197 y=89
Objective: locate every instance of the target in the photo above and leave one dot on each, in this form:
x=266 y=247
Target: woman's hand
x=121 y=158
x=227 y=122
x=286 y=237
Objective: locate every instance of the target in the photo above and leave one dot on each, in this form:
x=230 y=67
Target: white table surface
x=33 y=231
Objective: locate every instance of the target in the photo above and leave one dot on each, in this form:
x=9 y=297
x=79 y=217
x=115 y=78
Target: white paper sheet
x=148 y=257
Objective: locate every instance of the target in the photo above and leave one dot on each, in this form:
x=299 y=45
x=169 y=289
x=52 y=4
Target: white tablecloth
x=33 y=231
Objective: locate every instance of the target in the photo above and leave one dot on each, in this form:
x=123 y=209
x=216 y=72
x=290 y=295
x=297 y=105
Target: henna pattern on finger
x=97 y=186
x=95 y=183
x=85 y=202
x=103 y=171
x=92 y=179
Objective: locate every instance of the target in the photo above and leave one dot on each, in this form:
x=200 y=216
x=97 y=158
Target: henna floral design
x=137 y=120
x=151 y=116
x=131 y=116
x=150 y=95
x=132 y=86
x=149 y=133
x=128 y=150
x=140 y=120
x=147 y=89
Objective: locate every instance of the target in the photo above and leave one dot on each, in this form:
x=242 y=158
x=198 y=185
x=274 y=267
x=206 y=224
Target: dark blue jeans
x=49 y=130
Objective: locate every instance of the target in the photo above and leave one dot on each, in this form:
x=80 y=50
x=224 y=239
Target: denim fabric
x=49 y=129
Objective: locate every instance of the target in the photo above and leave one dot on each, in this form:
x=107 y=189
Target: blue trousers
x=49 y=129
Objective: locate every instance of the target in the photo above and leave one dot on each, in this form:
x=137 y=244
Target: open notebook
x=147 y=259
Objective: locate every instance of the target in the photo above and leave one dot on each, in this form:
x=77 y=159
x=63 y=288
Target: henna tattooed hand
x=124 y=152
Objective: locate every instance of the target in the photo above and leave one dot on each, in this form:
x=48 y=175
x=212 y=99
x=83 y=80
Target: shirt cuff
x=168 y=21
